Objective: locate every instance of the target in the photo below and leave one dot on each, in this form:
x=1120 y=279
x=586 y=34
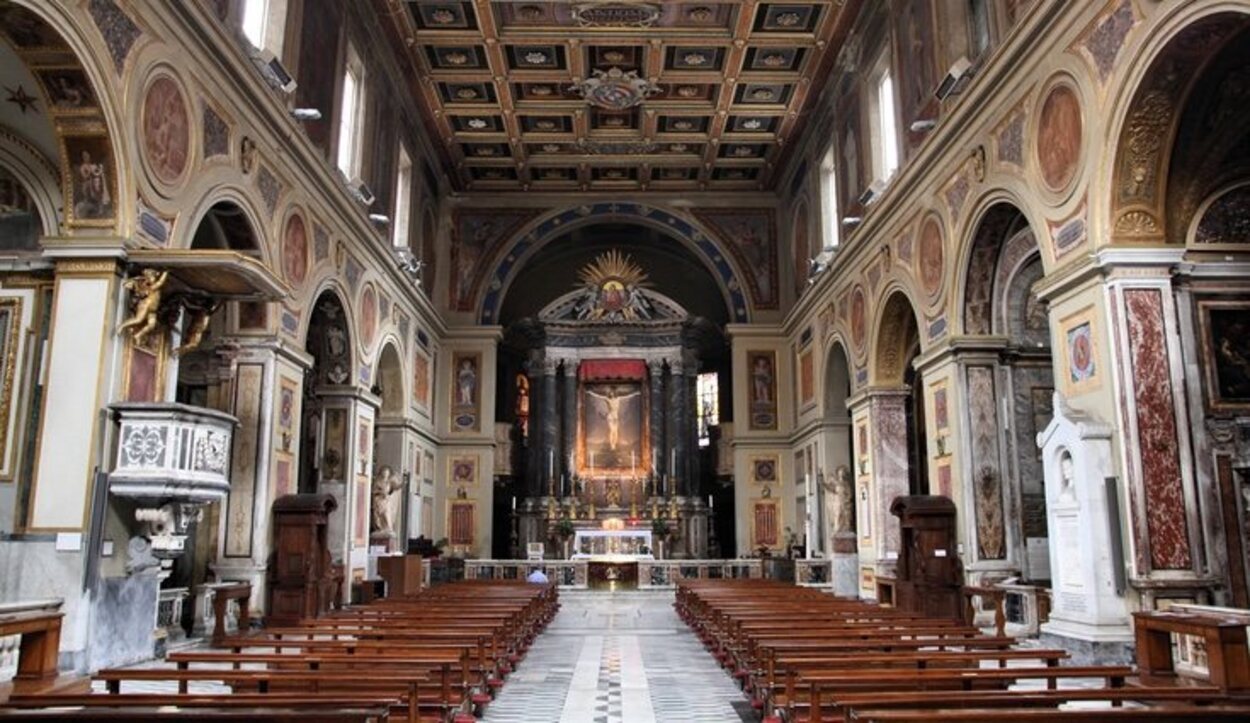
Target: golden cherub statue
x=146 y=289
x=198 y=327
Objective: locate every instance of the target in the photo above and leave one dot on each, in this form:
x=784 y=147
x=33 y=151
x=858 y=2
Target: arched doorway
x=898 y=345
x=1008 y=382
x=324 y=444
x=390 y=521
x=838 y=487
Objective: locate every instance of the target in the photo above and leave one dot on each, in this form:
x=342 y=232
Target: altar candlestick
x=514 y=503
x=672 y=462
x=551 y=463
x=709 y=502
x=592 y=464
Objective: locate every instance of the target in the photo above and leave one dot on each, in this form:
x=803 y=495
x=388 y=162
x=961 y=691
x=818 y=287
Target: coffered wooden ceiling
x=728 y=85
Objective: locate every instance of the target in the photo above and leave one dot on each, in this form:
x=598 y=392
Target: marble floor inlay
x=617 y=657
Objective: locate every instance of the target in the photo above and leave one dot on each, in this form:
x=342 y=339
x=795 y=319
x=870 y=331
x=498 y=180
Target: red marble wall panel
x=1157 y=431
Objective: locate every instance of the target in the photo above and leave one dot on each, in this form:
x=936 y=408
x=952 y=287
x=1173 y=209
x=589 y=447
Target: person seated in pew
x=537 y=576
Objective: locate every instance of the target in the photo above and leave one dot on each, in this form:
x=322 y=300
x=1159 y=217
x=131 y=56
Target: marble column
x=655 y=387
x=692 y=428
x=568 y=452
x=679 y=414
x=533 y=464
x=549 y=467
x=347 y=421
x=1155 y=454
x=883 y=414
x=258 y=369
x=988 y=498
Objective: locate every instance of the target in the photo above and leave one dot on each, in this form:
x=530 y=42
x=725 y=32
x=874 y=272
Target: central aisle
x=617 y=657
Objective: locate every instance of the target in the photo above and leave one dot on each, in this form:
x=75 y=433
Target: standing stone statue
x=384 y=485
x=841 y=500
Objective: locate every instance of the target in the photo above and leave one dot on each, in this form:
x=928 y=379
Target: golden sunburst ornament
x=611 y=289
x=612 y=266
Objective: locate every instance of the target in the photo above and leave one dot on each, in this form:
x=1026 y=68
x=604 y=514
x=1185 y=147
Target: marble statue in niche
x=466 y=382
x=385 y=483
x=841 y=499
x=1067 y=489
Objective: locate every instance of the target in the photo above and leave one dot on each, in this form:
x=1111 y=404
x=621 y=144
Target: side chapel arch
x=32 y=25
x=1007 y=369
x=897 y=344
x=1146 y=112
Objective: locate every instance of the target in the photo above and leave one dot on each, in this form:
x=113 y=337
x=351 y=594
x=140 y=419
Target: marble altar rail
x=652 y=574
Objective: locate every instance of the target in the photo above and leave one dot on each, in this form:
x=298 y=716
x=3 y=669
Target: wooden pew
x=433 y=657
x=1204 y=713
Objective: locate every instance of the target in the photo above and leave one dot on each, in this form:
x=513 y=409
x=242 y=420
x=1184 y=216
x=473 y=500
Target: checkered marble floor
x=616 y=657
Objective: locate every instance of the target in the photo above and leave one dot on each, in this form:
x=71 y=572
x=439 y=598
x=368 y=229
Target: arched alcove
x=226 y=226
x=388 y=381
x=323 y=451
x=1011 y=373
x=898 y=345
x=838 y=490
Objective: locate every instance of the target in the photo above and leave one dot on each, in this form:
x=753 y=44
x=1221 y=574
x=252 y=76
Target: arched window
x=829 y=199
x=708 y=400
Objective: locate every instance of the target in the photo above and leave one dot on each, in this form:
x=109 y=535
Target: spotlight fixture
x=923 y=125
x=306 y=114
x=361 y=191
x=872 y=192
x=273 y=71
x=851 y=221
x=380 y=219
x=955 y=79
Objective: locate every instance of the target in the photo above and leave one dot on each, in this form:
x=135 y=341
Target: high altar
x=611 y=368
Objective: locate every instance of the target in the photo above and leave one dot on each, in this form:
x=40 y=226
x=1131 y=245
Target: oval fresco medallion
x=166 y=130
x=295 y=250
x=1060 y=133
x=930 y=256
x=859 y=311
x=368 y=316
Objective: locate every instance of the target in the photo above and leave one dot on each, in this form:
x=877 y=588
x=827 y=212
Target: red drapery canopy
x=613 y=369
